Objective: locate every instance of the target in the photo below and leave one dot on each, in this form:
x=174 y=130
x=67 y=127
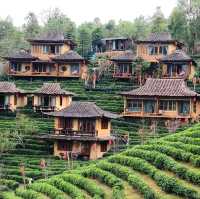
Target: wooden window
x=195 y=106
x=167 y=105
x=69 y=146
x=65 y=123
x=87 y=125
x=104 y=123
x=75 y=69
x=61 y=100
x=15 y=100
x=134 y=105
x=103 y=146
x=61 y=146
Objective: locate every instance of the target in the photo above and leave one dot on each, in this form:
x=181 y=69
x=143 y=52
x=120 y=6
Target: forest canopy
x=183 y=23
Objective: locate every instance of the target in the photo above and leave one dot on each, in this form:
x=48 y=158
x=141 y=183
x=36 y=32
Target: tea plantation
x=106 y=95
x=167 y=167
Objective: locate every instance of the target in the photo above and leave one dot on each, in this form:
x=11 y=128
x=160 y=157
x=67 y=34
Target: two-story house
x=51 y=55
x=83 y=129
x=168 y=99
x=51 y=97
x=161 y=50
x=11 y=97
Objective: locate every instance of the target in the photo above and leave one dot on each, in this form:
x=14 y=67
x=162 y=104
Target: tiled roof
x=178 y=55
x=70 y=55
x=162 y=87
x=51 y=36
x=9 y=87
x=126 y=56
x=158 y=37
x=52 y=89
x=83 y=110
x=20 y=55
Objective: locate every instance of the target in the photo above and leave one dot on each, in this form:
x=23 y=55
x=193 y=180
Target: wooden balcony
x=71 y=132
x=159 y=114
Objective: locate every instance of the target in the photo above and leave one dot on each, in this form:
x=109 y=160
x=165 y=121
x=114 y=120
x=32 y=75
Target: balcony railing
x=122 y=75
x=4 y=107
x=78 y=133
x=44 y=108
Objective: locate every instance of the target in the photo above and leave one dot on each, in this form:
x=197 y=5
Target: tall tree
x=126 y=29
x=142 y=27
x=84 y=39
x=31 y=27
x=55 y=20
x=159 y=23
x=178 y=24
x=110 y=28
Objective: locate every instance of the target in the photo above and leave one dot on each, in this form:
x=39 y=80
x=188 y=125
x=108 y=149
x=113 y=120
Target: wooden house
x=11 y=97
x=157 y=45
x=165 y=53
x=82 y=129
x=51 y=55
x=177 y=65
x=168 y=99
x=112 y=46
x=51 y=97
x=123 y=65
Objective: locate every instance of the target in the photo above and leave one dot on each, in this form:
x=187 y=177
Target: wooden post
x=22 y=171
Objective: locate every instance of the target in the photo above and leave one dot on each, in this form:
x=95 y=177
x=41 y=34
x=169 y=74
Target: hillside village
x=119 y=123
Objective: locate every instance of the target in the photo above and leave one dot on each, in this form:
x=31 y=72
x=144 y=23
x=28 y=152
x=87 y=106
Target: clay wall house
x=82 y=129
x=168 y=99
x=11 y=97
x=51 y=55
x=51 y=97
x=177 y=65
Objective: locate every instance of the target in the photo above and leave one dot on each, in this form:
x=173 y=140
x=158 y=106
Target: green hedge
x=163 y=161
x=48 y=190
x=168 y=184
x=66 y=187
x=85 y=184
x=132 y=178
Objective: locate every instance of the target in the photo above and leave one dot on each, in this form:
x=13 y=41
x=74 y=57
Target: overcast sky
x=85 y=10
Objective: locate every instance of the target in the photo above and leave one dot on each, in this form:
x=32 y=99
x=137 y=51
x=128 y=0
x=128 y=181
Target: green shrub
x=48 y=190
x=168 y=184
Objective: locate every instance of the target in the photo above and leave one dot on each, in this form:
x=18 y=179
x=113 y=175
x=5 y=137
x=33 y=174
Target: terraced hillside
x=106 y=96
x=165 y=168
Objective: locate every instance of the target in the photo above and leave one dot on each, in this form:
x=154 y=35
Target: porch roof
x=83 y=110
x=126 y=56
x=178 y=55
x=163 y=87
x=69 y=56
x=9 y=87
x=21 y=55
x=52 y=89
